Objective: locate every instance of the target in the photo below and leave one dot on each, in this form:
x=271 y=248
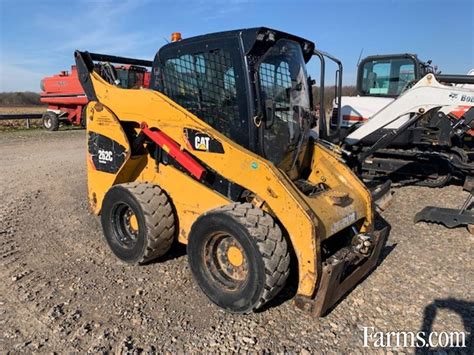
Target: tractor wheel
x=138 y=222
x=238 y=256
x=50 y=121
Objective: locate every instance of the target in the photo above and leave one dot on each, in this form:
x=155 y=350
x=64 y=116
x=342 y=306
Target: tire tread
x=271 y=244
x=54 y=121
x=159 y=218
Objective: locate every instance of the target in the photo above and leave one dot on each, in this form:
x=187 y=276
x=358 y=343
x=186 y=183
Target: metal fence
x=22 y=116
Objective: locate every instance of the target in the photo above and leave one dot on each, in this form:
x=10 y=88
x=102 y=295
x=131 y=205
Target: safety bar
x=337 y=93
x=118 y=60
x=85 y=66
x=89 y=58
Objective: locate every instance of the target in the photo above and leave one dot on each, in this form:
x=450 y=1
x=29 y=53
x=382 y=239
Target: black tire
x=265 y=266
x=155 y=222
x=50 y=121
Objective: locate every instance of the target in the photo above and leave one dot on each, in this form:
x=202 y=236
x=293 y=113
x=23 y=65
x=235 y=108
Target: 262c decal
x=106 y=154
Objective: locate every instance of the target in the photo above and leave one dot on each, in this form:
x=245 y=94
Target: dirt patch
x=61 y=289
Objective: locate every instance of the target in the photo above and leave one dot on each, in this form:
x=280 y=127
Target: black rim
x=124 y=226
x=225 y=261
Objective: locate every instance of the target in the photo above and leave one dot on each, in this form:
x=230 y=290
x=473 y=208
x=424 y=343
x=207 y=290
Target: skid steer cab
x=217 y=155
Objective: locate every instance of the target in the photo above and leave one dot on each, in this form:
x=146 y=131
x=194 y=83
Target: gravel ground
x=61 y=289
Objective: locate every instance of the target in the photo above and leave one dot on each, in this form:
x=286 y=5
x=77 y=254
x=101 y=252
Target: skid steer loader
x=217 y=154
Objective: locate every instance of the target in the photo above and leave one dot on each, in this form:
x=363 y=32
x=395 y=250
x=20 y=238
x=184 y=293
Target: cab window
x=205 y=84
x=387 y=77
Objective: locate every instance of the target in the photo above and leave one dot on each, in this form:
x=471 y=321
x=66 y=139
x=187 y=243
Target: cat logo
x=201 y=143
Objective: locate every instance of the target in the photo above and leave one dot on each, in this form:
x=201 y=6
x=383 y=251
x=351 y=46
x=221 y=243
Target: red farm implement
x=66 y=99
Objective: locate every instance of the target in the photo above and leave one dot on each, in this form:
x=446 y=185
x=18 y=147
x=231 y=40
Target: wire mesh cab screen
x=205 y=84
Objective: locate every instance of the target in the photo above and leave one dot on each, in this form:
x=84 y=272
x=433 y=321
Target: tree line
x=20 y=99
x=32 y=98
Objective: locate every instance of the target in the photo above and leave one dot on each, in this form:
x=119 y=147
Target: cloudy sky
x=38 y=37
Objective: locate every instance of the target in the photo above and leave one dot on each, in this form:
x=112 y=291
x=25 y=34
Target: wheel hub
x=226 y=261
x=125 y=224
x=235 y=257
x=133 y=222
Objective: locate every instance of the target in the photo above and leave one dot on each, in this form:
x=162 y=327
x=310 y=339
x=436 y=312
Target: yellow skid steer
x=217 y=155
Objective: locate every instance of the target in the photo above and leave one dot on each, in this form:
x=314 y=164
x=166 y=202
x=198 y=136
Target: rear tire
x=50 y=121
x=238 y=256
x=138 y=222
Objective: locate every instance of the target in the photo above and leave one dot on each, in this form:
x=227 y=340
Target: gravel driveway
x=61 y=289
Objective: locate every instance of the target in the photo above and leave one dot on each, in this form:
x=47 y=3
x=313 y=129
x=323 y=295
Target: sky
x=38 y=37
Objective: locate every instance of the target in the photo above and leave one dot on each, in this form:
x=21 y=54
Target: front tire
x=50 y=121
x=138 y=222
x=238 y=256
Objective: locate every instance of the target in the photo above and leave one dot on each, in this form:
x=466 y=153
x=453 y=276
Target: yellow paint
x=308 y=220
x=235 y=256
x=327 y=168
x=189 y=197
x=134 y=222
x=103 y=122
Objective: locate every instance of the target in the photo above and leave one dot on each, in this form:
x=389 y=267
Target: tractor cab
x=132 y=76
x=380 y=80
x=390 y=75
x=249 y=84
